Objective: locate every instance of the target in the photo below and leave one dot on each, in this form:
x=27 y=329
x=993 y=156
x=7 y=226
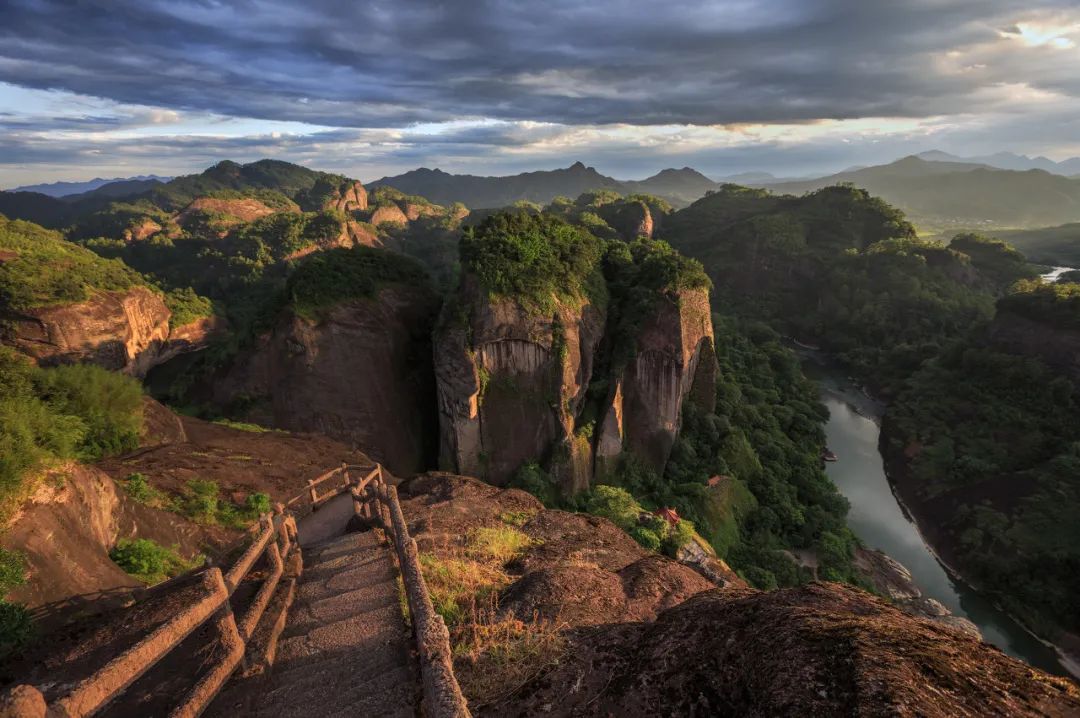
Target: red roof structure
x=668 y=514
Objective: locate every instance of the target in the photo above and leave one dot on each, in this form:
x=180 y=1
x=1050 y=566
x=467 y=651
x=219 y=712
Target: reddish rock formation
x=348 y=198
x=511 y=383
x=67 y=528
x=124 y=331
x=674 y=360
x=388 y=213
x=360 y=374
x=245 y=209
x=143 y=230
x=822 y=649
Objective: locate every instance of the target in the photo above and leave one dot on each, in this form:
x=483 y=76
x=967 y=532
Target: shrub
x=187 y=306
x=328 y=278
x=535 y=480
x=16 y=629
x=646 y=537
x=12 y=570
x=200 y=501
x=63 y=413
x=679 y=535
x=257 y=504
x=616 y=505
x=148 y=561
x=109 y=403
x=137 y=487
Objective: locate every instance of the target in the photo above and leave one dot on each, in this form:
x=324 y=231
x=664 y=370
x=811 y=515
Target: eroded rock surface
x=360 y=374
x=123 y=331
x=511 y=381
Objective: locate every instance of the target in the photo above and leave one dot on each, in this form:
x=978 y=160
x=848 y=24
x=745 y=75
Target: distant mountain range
x=63 y=189
x=942 y=194
x=1010 y=161
x=680 y=187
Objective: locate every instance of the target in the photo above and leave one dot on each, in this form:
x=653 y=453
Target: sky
x=793 y=87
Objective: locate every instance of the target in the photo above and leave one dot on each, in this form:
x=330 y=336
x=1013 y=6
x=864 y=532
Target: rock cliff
x=123 y=331
x=360 y=373
x=511 y=382
x=673 y=359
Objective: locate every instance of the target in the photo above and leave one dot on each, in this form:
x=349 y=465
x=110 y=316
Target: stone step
x=335 y=669
x=382 y=694
x=352 y=563
x=349 y=578
x=373 y=631
x=311 y=614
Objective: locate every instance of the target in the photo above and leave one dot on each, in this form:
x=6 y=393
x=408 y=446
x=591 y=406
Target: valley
x=609 y=357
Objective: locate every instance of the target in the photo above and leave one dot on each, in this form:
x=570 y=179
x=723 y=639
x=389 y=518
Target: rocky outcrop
x=245 y=209
x=141 y=230
x=818 y=650
x=1058 y=347
x=511 y=381
x=192 y=337
x=674 y=360
x=123 y=331
x=66 y=529
x=631 y=219
x=892 y=580
x=348 y=198
x=641 y=635
x=388 y=214
x=361 y=373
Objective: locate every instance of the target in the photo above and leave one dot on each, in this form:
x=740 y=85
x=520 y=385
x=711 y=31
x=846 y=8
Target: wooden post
x=345 y=472
x=311 y=490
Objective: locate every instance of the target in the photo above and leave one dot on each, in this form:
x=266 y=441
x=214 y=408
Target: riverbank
x=881 y=518
x=928 y=516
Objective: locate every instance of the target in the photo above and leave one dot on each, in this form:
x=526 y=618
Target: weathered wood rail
x=273 y=538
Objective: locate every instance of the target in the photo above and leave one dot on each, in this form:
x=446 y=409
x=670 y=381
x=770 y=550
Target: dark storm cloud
x=385 y=64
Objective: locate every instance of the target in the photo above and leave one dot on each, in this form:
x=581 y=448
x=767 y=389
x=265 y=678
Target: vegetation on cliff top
x=842 y=269
x=338 y=275
x=1055 y=305
x=534 y=259
x=68 y=412
x=39 y=268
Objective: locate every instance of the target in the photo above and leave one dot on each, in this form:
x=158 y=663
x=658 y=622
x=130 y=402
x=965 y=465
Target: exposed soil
x=241 y=462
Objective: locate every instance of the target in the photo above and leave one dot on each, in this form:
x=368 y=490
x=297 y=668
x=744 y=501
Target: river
x=879 y=520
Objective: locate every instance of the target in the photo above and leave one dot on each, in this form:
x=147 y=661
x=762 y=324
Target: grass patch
x=517 y=518
x=500 y=543
x=245 y=426
x=456 y=584
x=495 y=654
x=149 y=561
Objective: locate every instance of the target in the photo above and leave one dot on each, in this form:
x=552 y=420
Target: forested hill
x=845 y=270
x=950 y=194
x=680 y=187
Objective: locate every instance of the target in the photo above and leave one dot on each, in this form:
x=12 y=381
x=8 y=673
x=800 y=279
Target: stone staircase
x=345 y=650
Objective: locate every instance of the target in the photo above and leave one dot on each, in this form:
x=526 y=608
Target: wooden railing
x=275 y=538
x=442 y=695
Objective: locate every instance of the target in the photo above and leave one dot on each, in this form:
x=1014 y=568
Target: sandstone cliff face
x=674 y=361
x=67 y=528
x=1058 y=348
x=631 y=219
x=123 y=331
x=360 y=374
x=511 y=382
x=352 y=196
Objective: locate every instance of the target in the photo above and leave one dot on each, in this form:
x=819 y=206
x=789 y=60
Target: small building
x=668 y=514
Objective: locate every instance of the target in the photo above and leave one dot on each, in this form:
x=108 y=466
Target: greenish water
x=879 y=520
